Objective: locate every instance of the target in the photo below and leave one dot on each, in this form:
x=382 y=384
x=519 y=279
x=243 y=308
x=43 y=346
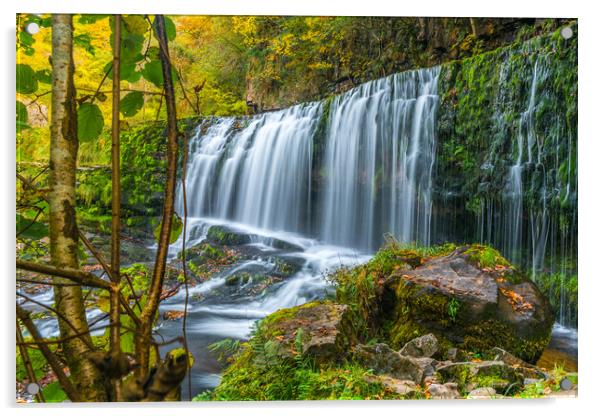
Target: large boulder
x=320 y=330
x=471 y=299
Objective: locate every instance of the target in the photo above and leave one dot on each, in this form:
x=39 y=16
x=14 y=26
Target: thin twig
x=184 y=271
x=108 y=71
x=115 y=296
x=182 y=88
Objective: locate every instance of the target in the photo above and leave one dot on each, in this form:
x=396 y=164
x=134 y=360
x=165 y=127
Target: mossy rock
x=322 y=330
x=226 y=237
x=203 y=251
x=469 y=306
x=470 y=375
x=285 y=267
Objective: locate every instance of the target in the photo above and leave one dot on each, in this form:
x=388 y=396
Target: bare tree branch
x=75 y=275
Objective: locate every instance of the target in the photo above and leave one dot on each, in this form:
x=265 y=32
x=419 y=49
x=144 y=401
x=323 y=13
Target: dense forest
x=285 y=208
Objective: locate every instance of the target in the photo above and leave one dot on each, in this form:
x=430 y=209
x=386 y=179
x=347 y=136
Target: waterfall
x=258 y=174
x=346 y=170
x=376 y=170
x=380 y=152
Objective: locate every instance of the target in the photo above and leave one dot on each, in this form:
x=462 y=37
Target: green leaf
x=127 y=71
x=170 y=29
x=84 y=41
x=44 y=76
x=176 y=229
x=152 y=72
x=89 y=122
x=91 y=18
x=54 y=393
x=25 y=42
x=131 y=103
x=131 y=47
x=32 y=230
x=27 y=83
x=135 y=24
x=21 y=116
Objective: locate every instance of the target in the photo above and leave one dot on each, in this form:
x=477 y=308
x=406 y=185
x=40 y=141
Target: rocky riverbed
x=409 y=333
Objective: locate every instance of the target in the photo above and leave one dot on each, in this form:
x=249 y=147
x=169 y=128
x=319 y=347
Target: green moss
x=479 y=119
x=223 y=236
x=485 y=256
x=414 y=302
x=484 y=335
x=563 y=292
x=290 y=380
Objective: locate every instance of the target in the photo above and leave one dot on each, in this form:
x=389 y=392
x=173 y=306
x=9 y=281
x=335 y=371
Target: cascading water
x=258 y=175
x=377 y=167
x=514 y=211
x=532 y=219
x=380 y=150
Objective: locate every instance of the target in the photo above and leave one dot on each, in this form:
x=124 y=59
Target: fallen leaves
x=517 y=302
x=173 y=315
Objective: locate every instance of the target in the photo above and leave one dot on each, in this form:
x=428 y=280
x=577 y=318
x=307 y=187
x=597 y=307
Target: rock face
x=383 y=360
x=474 y=300
x=323 y=330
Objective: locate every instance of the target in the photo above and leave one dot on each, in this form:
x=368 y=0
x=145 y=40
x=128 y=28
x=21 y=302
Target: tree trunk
x=149 y=311
x=63 y=226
